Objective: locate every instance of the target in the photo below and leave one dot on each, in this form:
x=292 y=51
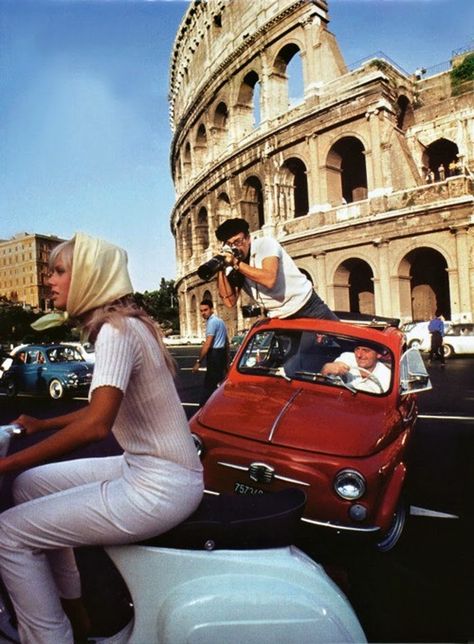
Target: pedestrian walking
x=436 y=328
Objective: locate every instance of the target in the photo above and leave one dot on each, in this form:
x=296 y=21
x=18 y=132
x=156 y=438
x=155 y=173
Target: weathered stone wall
x=368 y=173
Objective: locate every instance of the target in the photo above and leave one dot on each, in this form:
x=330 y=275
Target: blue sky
x=84 y=130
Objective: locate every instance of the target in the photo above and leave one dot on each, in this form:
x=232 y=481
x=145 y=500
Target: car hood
x=328 y=420
x=81 y=368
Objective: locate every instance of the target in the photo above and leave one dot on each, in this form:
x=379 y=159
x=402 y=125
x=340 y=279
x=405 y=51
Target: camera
x=252 y=311
x=217 y=263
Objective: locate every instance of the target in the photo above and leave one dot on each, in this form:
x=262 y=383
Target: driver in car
x=362 y=369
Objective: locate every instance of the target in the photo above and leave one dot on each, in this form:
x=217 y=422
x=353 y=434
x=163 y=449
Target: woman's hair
x=113 y=312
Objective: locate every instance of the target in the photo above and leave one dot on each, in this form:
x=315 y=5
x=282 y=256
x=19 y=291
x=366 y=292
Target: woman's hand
x=30 y=424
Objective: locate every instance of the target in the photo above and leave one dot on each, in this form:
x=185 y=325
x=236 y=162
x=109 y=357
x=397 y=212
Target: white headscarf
x=99 y=276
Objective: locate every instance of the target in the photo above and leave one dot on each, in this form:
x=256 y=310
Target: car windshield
x=309 y=356
x=64 y=354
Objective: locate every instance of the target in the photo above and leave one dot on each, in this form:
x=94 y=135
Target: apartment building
x=24 y=268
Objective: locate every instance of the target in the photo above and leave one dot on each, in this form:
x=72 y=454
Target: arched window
x=202 y=230
x=346 y=171
x=224 y=210
x=252 y=203
x=287 y=83
x=296 y=185
x=354 y=287
x=405 y=115
x=200 y=150
x=441 y=158
x=248 y=103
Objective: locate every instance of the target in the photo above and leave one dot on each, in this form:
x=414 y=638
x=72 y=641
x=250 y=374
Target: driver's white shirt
x=356 y=378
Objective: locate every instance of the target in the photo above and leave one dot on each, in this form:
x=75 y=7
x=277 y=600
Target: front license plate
x=243 y=488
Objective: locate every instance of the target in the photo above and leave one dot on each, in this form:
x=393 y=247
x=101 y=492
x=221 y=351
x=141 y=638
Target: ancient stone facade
x=366 y=178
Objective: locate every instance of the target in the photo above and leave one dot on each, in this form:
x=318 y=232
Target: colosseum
x=364 y=175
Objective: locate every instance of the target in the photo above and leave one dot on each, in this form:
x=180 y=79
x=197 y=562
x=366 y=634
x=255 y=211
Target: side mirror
x=413 y=375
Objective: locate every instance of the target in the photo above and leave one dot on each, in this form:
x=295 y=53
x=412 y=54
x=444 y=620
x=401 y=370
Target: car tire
x=56 y=389
x=448 y=351
x=414 y=344
x=391 y=537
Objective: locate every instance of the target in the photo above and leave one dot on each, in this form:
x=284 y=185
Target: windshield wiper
x=329 y=379
x=274 y=371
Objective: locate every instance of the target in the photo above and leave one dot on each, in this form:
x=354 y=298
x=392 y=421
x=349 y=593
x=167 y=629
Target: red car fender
x=391 y=498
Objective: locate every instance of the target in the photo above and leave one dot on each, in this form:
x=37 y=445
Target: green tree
x=162 y=305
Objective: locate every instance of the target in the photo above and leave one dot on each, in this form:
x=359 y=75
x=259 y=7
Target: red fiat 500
x=322 y=405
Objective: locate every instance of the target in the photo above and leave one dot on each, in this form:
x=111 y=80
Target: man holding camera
x=267 y=273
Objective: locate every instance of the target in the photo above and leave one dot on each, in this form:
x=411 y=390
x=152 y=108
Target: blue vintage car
x=54 y=369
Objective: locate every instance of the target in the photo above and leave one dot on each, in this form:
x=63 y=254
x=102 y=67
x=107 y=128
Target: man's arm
x=228 y=293
x=208 y=342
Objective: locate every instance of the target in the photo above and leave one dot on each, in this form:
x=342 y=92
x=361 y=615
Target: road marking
x=435 y=417
x=416 y=511
x=190 y=404
x=190 y=369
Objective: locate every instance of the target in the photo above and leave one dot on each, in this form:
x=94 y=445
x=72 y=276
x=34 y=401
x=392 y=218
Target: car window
x=64 y=354
x=302 y=355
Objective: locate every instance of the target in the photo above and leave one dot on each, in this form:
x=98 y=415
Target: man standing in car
x=268 y=274
x=215 y=350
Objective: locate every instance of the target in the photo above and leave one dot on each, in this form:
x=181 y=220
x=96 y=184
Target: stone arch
x=248 y=104
x=295 y=186
x=194 y=315
x=354 y=286
x=223 y=210
x=346 y=171
x=424 y=284
x=202 y=230
x=200 y=148
x=221 y=116
x=441 y=158
x=286 y=84
x=405 y=113
x=207 y=295
x=188 y=238
x=187 y=158
x=252 y=205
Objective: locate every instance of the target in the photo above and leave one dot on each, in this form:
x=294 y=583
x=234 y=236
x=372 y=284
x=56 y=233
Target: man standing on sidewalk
x=215 y=350
x=436 y=328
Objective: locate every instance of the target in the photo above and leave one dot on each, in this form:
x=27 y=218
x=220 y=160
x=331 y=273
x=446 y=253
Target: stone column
x=465 y=302
x=383 y=303
x=322 y=287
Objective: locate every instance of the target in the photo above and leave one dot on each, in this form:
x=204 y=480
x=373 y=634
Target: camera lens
x=207 y=270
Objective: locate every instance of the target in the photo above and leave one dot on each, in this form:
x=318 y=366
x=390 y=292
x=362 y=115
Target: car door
x=32 y=372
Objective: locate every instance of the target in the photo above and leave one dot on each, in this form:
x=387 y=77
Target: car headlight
x=198 y=444
x=349 y=485
x=72 y=379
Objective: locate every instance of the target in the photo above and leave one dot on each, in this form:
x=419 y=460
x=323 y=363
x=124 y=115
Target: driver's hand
x=335 y=369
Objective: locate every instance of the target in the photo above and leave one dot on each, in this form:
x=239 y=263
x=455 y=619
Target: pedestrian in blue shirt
x=215 y=351
x=436 y=328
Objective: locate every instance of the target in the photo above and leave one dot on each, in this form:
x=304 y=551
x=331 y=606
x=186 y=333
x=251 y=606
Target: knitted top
x=151 y=420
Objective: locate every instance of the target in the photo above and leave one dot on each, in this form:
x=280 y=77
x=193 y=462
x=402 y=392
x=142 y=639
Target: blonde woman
x=153 y=486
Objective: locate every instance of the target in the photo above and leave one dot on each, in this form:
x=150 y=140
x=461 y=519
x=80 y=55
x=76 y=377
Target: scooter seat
x=231 y=521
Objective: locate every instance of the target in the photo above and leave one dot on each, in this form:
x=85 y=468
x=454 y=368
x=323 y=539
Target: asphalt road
x=419 y=592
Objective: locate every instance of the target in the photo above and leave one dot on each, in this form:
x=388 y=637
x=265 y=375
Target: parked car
x=178 y=340
x=53 y=369
x=459 y=339
x=277 y=421
x=86 y=349
x=418 y=336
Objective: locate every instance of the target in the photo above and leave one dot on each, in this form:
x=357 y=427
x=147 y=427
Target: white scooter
x=227 y=574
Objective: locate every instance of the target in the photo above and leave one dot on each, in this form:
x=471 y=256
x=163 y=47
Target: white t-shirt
x=357 y=378
x=151 y=420
x=292 y=289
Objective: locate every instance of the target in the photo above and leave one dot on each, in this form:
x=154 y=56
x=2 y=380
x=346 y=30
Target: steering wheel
x=368 y=375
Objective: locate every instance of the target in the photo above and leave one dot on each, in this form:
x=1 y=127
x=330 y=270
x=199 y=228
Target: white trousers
x=96 y=501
